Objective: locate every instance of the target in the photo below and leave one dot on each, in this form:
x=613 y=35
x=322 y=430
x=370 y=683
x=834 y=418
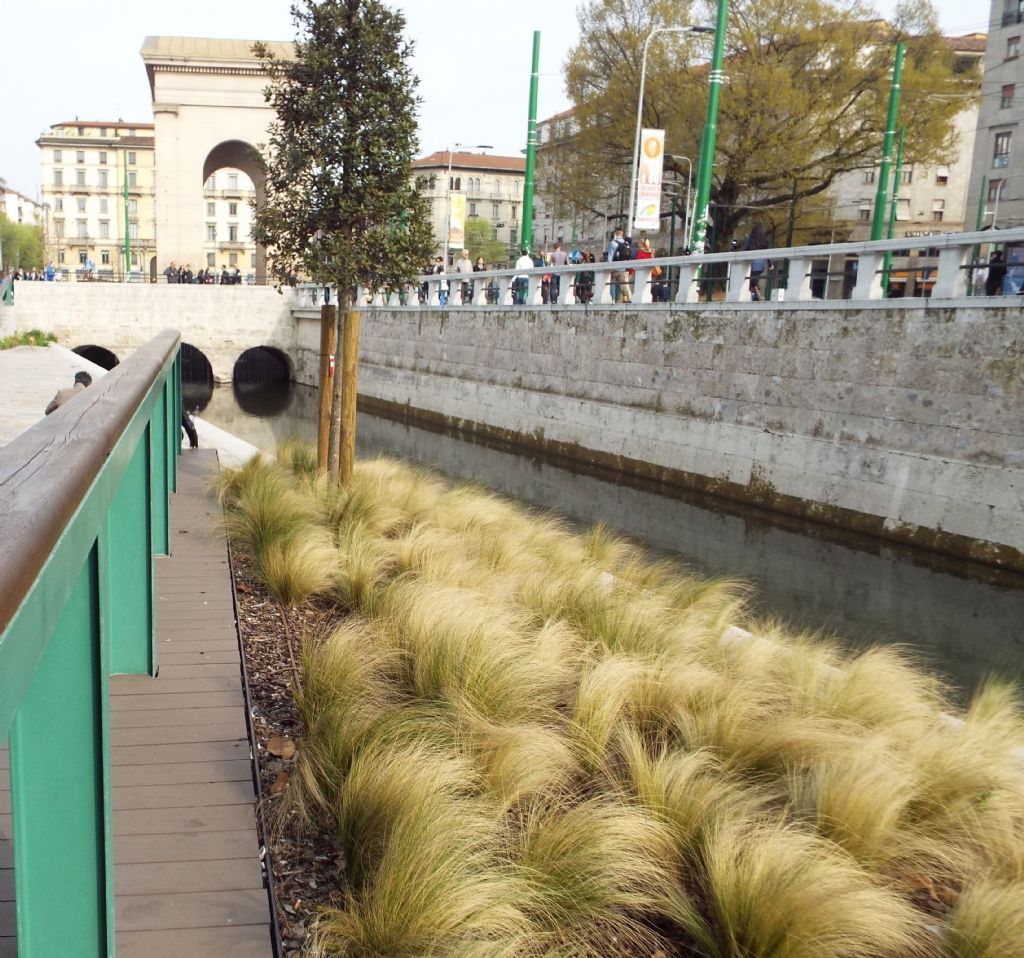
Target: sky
x=473 y=60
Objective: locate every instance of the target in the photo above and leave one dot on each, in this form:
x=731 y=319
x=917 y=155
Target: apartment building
x=490 y=186
x=228 y=195
x=19 y=208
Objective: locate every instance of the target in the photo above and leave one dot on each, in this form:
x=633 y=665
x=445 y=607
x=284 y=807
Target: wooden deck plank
x=182 y=773
x=206 y=794
x=165 y=684
x=163 y=878
x=217 y=818
x=156 y=717
x=237 y=941
x=180 y=700
x=184 y=846
x=143 y=755
x=193 y=910
x=177 y=734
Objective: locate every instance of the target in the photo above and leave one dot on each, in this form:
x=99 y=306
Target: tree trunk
x=350 y=367
x=334 y=439
x=328 y=322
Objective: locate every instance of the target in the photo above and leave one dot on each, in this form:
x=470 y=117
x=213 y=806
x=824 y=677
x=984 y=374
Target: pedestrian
x=82 y=380
x=464 y=266
x=189 y=425
x=585 y=280
x=442 y=287
x=757 y=240
x=644 y=251
x=659 y=279
x=559 y=257
x=49 y=271
x=521 y=283
x=996 y=274
x=225 y=279
x=620 y=250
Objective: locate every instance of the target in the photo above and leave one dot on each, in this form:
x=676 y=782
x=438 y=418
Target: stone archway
x=208 y=108
x=238 y=155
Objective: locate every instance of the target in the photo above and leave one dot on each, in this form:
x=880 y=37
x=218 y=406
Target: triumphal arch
x=209 y=112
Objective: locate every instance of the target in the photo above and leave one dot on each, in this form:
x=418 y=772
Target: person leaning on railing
x=82 y=380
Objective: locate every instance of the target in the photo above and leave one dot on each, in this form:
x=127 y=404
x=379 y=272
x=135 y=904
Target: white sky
x=473 y=61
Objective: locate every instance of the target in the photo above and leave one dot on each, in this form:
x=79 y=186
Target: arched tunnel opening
x=261 y=381
x=98 y=355
x=196 y=378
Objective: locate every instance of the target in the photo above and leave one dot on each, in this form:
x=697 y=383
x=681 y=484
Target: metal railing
x=799 y=274
x=83 y=510
x=7 y=291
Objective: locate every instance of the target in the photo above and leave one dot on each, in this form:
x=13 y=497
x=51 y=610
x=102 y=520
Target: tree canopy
x=340 y=199
x=479 y=243
x=22 y=244
x=807 y=84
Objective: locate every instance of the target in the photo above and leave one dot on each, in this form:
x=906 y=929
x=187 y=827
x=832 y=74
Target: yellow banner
x=648 y=190
x=457 y=223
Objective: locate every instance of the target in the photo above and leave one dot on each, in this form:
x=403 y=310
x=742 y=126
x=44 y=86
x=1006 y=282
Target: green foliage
x=805 y=99
x=34 y=337
x=479 y=243
x=341 y=202
x=22 y=244
x=534 y=743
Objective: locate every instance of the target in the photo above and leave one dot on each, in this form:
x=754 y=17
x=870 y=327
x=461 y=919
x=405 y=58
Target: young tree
x=479 y=243
x=807 y=83
x=21 y=244
x=341 y=202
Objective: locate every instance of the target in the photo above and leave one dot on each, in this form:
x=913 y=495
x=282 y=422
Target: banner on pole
x=648 y=190
x=457 y=224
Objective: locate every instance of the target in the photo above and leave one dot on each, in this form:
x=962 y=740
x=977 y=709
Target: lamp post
x=686 y=209
x=448 y=195
x=999 y=193
x=640 y=107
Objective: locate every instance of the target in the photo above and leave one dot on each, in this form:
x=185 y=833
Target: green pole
x=531 y=146
x=707 y=142
x=893 y=208
x=878 y=220
x=978 y=223
x=127 y=242
x=672 y=229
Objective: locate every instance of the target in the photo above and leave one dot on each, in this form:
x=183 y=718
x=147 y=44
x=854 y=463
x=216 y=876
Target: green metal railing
x=83 y=510
x=7 y=291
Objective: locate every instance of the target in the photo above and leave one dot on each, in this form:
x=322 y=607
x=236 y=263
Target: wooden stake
x=327 y=321
x=350 y=365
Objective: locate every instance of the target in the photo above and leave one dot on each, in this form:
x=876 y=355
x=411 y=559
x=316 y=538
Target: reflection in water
x=867 y=594
x=263 y=399
x=196 y=378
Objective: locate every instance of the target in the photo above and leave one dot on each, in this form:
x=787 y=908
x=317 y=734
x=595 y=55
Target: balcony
x=1011 y=17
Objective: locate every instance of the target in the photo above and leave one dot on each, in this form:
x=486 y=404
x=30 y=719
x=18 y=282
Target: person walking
x=464 y=266
x=996 y=274
x=755 y=241
x=521 y=283
x=585 y=280
x=644 y=251
x=620 y=250
x=559 y=257
x=442 y=292
x=82 y=380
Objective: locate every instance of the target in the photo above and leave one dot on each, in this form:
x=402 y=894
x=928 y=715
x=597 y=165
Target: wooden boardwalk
x=186 y=851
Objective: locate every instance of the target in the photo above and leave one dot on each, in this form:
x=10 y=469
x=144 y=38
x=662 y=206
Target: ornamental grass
x=536 y=743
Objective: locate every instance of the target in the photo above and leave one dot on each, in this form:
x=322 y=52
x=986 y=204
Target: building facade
x=18 y=207
x=228 y=195
x=97 y=196
x=997 y=168
x=491 y=187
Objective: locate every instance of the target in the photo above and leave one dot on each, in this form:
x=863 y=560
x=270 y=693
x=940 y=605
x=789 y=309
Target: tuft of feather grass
x=988 y=922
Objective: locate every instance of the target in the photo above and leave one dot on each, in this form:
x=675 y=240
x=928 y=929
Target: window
x=495 y=210
x=1001 y=152
x=103 y=157
x=497 y=186
x=515 y=211
x=494 y=233
x=82 y=257
x=58 y=177
x=1006 y=98
x=455 y=182
x=997 y=190
x=104 y=229
x=252 y=260
x=942 y=176
x=60 y=255
x=907 y=175
x=472 y=209
x=103 y=205
x=211 y=259
x=233 y=233
x=105 y=255
x=58 y=204
x=211 y=182
x=515 y=187
x=512 y=236
x=81 y=131
x=211 y=209
x=938 y=210
x=58 y=229
x=232 y=209
x=232 y=259
x=903 y=210
x=1012 y=48
x=131 y=132
x=232 y=181
x=133 y=179
x=58 y=156
x=80 y=156
x=79 y=177
x=103 y=132
x=81 y=204
x=211 y=232
x=869 y=176
x=102 y=179
x=83 y=232
x=135 y=260
x=131 y=158
x=133 y=231
x=864 y=211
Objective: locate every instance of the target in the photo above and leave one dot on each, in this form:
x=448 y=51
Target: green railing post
x=60 y=788
x=160 y=475
x=129 y=540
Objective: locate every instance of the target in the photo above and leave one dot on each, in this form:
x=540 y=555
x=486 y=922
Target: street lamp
x=686 y=209
x=999 y=192
x=640 y=107
x=448 y=217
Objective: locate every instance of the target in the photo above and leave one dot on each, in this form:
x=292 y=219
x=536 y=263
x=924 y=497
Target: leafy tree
x=479 y=243
x=341 y=202
x=807 y=84
x=22 y=244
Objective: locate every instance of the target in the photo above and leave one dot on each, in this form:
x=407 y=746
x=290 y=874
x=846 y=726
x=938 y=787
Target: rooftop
x=210 y=48
x=471 y=161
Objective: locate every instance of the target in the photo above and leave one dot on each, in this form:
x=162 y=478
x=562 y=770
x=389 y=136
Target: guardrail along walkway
x=186 y=851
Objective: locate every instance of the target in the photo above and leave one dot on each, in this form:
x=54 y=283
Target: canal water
x=966 y=620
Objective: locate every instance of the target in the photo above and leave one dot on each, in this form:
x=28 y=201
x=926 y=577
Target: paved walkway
x=188 y=875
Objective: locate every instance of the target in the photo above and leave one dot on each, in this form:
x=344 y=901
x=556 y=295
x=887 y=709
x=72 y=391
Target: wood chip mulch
x=306 y=870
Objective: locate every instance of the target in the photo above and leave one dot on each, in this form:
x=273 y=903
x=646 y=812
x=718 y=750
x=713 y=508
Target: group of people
x=228 y=275
x=23 y=274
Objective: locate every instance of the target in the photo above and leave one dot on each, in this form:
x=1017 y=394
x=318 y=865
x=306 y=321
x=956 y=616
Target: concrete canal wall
x=905 y=422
